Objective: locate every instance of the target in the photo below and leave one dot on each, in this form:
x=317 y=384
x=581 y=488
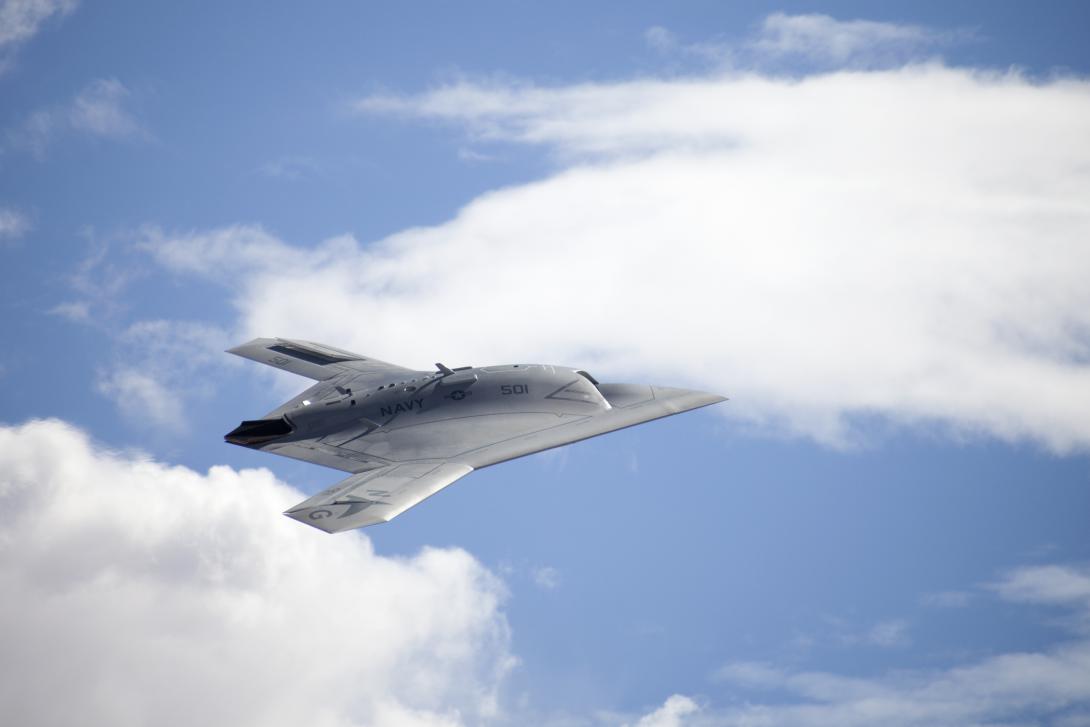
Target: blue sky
x=866 y=225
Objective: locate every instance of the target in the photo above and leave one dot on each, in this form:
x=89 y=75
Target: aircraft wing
x=315 y=360
x=384 y=487
x=376 y=496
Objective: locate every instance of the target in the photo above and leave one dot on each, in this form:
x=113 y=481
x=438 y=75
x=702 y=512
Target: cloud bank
x=139 y=593
x=909 y=243
x=158 y=594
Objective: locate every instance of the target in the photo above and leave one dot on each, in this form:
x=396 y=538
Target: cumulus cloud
x=671 y=714
x=907 y=243
x=156 y=594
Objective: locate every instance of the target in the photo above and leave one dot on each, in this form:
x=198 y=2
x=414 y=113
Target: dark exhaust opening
x=258 y=431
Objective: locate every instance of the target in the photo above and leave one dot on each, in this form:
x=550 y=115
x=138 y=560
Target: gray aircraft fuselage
x=499 y=401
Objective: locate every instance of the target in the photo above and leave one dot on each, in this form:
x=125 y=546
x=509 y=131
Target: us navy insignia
x=401 y=407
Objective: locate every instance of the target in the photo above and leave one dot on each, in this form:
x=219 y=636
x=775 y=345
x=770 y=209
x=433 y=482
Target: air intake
x=258 y=431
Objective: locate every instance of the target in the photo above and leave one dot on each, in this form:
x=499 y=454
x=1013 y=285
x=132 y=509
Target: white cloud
x=1027 y=687
x=227 y=252
x=1047 y=584
x=828 y=40
x=906 y=243
x=666 y=42
x=165 y=363
x=546 y=577
x=661 y=39
x=888 y=634
x=156 y=594
x=790 y=43
x=671 y=713
x=13 y=224
x=75 y=311
x=97 y=110
x=20 y=20
x=991 y=691
x=159 y=366
x=97 y=284
x=143 y=398
x=35 y=133
x=147 y=590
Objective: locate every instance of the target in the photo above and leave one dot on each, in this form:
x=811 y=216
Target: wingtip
x=241 y=348
x=715 y=399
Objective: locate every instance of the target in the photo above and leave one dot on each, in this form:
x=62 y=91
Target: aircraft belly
x=455 y=436
x=310 y=450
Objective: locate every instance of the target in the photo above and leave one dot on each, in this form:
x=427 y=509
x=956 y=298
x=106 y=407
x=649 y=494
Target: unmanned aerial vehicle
x=404 y=434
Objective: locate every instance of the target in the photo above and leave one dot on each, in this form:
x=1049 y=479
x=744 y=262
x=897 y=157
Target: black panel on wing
x=308 y=354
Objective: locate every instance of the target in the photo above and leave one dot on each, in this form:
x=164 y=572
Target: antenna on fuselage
x=444 y=370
